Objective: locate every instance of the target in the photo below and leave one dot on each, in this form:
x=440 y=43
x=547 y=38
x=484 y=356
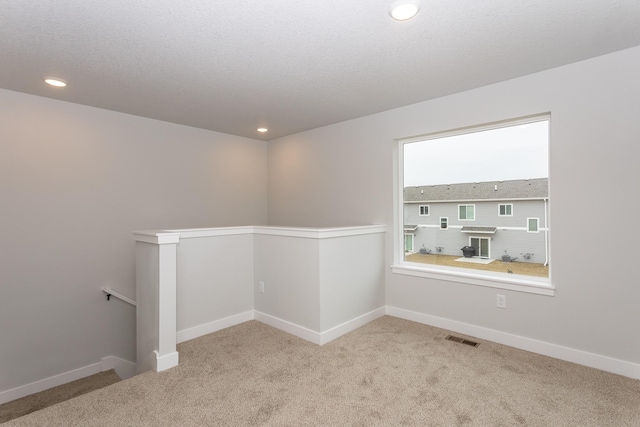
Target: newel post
x=156 y=276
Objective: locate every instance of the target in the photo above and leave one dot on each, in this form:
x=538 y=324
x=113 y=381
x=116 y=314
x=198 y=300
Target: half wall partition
x=315 y=283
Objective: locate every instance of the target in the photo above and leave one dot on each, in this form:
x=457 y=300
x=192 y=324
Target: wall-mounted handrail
x=111 y=293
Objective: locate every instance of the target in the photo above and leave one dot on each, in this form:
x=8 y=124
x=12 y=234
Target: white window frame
x=520 y=283
x=466 y=213
x=505 y=209
x=427 y=209
x=446 y=221
x=537 y=220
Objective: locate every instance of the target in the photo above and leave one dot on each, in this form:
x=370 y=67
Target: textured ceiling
x=234 y=65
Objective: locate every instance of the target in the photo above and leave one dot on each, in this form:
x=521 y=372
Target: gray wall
x=343 y=174
x=75 y=182
x=289 y=268
x=215 y=279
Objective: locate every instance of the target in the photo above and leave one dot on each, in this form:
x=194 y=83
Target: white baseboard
x=597 y=361
x=123 y=368
x=288 y=327
x=217 y=325
x=126 y=369
x=166 y=361
x=319 y=338
x=351 y=325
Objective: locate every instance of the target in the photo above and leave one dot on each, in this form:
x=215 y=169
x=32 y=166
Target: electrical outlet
x=261 y=286
x=502 y=301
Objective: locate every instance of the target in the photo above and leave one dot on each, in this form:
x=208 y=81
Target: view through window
x=487 y=194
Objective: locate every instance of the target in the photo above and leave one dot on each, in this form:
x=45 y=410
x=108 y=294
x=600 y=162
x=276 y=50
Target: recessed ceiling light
x=55 y=82
x=402 y=10
x=262 y=130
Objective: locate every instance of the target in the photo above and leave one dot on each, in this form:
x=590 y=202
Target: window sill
x=519 y=283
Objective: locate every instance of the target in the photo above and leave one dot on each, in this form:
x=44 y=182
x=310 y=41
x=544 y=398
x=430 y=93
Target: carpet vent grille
x=461 y=340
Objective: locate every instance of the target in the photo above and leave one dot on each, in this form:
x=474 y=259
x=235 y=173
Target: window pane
x=408 y=242
x=484 y=247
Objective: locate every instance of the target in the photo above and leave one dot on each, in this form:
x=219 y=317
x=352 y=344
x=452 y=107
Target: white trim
x=466 y=213
x=166 y=361
x=214 y=326
x=537 y=225
x=156 y=237
x=351 y=325
x=319 y=338
x=505 y=204
x=513 y=282
x=522 y=228
x=476 y=200
x=213 y=232
x=124 y=369
x=173 y=236
x=477 y=128
x=290 y=328
x=320 y=233
x=592 y=360
x=440 y=223
x=499 y=227
x=420 y=210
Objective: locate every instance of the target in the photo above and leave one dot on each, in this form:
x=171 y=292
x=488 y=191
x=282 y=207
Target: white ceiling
x=234 y=65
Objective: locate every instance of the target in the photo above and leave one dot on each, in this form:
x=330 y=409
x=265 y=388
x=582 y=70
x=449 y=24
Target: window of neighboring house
x=467 y=172
x=444 y=223
x=505 y=210
x=466 y=212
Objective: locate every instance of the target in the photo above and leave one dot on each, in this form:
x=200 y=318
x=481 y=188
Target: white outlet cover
x=502 y=301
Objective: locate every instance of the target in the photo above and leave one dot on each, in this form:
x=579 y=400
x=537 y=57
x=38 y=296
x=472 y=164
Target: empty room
x=319 y=213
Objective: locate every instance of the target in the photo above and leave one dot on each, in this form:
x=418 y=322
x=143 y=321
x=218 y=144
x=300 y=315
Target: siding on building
x=527 y=197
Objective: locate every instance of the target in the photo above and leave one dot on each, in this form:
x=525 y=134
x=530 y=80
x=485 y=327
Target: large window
x=457 y=179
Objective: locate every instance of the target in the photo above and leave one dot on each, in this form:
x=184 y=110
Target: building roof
x=536 y=188
x=476 y=230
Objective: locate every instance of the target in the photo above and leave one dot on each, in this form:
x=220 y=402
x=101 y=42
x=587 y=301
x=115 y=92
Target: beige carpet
x=390 y=372
x=35 y=402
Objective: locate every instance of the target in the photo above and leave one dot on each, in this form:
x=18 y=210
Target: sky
x=515 y=152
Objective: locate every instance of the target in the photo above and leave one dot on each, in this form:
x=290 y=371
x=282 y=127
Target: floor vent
x=461 y=340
